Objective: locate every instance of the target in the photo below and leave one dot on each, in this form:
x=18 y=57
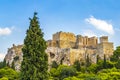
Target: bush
x=54 y=64
x=71 y=78
x=93 y=68
x=3 y=78
x=111 y=74
x=54 y=73
x=8 y=73
x=62 y=72
x=67 y=72
x=88 y=76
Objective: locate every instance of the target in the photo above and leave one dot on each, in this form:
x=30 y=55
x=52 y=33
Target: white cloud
x=101 y=25
x=89 y=33
x=2 y=56
x=5 y=31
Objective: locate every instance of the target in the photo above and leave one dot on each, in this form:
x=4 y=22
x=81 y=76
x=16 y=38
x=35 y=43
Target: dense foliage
x=35 y=60
x=3 y=64
x=8 y=74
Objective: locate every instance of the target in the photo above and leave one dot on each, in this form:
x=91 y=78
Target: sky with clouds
x=85 y=17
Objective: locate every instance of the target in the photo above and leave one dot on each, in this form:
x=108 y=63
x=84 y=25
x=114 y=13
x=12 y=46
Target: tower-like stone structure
x=105 y=47
x=62 y=40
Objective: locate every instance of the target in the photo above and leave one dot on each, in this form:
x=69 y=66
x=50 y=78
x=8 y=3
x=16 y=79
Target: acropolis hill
x=67 y=47
x=73 y=47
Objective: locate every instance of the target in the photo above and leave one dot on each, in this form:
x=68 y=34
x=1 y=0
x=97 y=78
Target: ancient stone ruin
x=67 y=47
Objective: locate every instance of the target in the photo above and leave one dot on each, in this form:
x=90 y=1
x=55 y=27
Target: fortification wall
x=105 y=48
x=103 y=39
x=92 y=42
x=63 y=40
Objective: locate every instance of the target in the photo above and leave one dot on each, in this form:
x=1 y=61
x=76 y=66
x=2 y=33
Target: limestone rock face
x=57 y=54
x=14 y=56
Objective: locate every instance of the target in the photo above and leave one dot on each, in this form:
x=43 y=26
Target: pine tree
x=35 y=61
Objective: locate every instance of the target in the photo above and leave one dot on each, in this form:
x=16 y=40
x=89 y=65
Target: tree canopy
x=35 y=60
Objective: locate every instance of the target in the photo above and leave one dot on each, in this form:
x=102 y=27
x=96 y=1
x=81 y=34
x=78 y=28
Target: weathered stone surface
x=105 y=48
x=14 y=56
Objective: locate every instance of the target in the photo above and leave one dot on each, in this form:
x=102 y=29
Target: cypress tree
x=97 y=59
x=88 y=61
x=35 y=61
x=104 y=62
x=77 y=65
x=13 y=65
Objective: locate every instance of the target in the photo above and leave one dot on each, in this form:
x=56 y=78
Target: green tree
x=116 y=55
x=9 y=74
x=97 y=59
x=67 y=72
x=35 y=61
x=104 y=62
x=54 y=64
x=88 y=61
x=13 y=65
x=117 y=65
x=71 y=78
x=3 y=64
x=93 y=68
x=77 y=65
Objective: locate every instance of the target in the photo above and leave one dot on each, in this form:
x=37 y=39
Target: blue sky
x=85 y=17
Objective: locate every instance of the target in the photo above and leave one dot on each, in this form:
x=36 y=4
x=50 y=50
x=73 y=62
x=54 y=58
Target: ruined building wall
x=105 y=47
x=86 y=42
x=69 y=40
x=63 y=40
x=103 y=39
x=92 y=42
x=79 y=41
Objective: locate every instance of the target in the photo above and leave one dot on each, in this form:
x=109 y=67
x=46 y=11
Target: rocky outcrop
x=14 y=57
x=66 y=48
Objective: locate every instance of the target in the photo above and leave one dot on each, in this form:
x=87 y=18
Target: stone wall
x=105 y=48
x=62 y=40
x=92 y=42
x=65 y=36
x=69 y=40
x=103 y=39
